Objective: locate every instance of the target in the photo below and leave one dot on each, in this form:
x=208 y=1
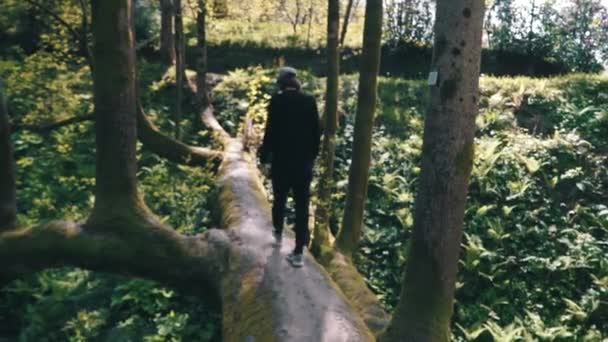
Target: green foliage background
x=533 y=263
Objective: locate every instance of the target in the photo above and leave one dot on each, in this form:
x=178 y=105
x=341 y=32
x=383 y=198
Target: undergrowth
x=532 y=266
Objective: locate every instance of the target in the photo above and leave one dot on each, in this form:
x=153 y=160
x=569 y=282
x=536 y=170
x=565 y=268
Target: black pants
x=298 y=180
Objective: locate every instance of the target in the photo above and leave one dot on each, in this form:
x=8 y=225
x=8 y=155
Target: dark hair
x=290 y=82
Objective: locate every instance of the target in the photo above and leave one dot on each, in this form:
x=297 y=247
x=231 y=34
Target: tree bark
x=324 y=206
x=349 y=8
x=201 y=63
x=8 y=201
x=350 y=233
x=115 y=111
x=426 y=303
x=167 y=39
x=179 y=66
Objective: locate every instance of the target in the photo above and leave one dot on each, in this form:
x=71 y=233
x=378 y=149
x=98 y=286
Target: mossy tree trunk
x=426 y=304
x=202 y=95
x=352 y=223
x=115 y=100
x=167 y=39
x=328 y=151
x=8 y=201
x=180 y=69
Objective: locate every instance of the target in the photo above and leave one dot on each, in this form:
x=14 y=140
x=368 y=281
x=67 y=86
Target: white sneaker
x=296 y=260
x=278 y=238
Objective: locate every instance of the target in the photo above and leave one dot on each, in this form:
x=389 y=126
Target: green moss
x=464 y=158
x=354 y=287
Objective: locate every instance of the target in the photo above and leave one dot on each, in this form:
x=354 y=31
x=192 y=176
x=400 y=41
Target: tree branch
x=172 y=149
x=149 y=135
x=46 y=128
x=145 y=249
x=58 y=18
x=220 y=134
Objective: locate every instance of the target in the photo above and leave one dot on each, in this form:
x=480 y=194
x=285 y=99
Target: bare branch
x=46 y=128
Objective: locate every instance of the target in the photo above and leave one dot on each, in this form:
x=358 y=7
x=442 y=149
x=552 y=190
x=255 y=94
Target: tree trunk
x=115 y=111
x=322 y=231
x=167 y=40
x=8 y=201
x=201 y=63
x=179 y=67
x=349 y=8
x=426 y=303
x=350 y=233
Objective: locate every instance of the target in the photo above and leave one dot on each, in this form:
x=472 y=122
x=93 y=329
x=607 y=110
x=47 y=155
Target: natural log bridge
x=261 y=297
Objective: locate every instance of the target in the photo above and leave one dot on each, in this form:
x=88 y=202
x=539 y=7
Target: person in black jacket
x=291 y=145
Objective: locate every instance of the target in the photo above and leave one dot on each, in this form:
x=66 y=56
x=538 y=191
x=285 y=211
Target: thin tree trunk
x=323 y=212
x=116 y=191
x=201 y=65
x=426 y=303
x=167 y=39
x=84 y=33
x=350 y=233
x=311 y=12
x=179 y=67
x=349 y=8
x=8 y=201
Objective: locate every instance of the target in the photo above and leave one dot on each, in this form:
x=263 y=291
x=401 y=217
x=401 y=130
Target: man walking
x=291 y=144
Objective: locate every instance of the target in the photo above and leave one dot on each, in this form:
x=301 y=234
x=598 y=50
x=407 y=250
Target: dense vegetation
x=533 y=259
x=533 y=264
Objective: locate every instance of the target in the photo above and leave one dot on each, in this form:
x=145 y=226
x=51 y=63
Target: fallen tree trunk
x=271 y=300
x=261 y=297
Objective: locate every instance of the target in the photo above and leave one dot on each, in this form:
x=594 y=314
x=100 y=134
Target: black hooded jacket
x=292 y=134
